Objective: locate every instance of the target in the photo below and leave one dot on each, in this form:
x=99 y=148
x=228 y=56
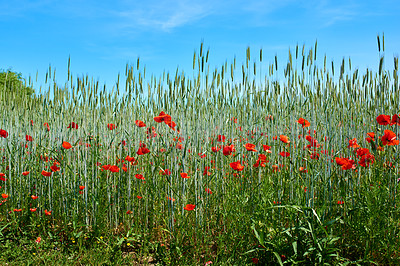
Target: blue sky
x=103 y=36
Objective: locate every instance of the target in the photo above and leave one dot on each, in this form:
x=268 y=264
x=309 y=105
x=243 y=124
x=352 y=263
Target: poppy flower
x=25 y=173
x=340 y=202
x=142 y=150
x=267 y=148
x=2 y=177
x=208 y=191
x=66 y=145
x=227 y=150
x=111 y=126
x=163 y=117
x=184 y=175
x=139 y=197
x=54 y=168
x=171 y=199
x=3 y=133
x=236 y=166
x=140 y=123
x=389 y=138
x=34 y=197
x=353 y=143
x=284 y=154
x=48 y=213
x=106 y=167
x=189 y=207
x=171 y=124
x=38 y=240
x=46 y=125
x=345 y=163
x=81 y=187
x=395 y=120
x=33 y=209
x=45 y=173
x=383 y=120
x=129 y=212
x=17 y=210
x=139 y=176
x=4 y=196
x=221 y=138
x=362 y=151
x=303 y=122
x=366 y=160
x=73 y=125
x=165 y=172
x=28 y=138
x=284 y=139
x=114 y=169
x=303 y=170
x=314 y=156
x=129 y=159
x=215 y=149
x=250 y=147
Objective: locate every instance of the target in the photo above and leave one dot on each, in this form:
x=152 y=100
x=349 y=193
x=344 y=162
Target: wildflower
x=139 y=176
x=140 y=123
x=3 y=133
x=383 y=120
x=48 y=213
x=165 y=172
x=267 y=148
x=81 y=187
x=66 y=145
x=221 y=138
x=38 y=240
x=236 y=166
x=163 y=117
x=45 y=173
x=189 y=207
x=4 y=196
x=284 y=154
x=208 y=191
x=353 y=143
x=33 y=209
x=129 y=212
x=28 y=138
x=395 y=120
x=303 y=122
x=25 y=173
x=227 y=150
x=111 y=126
x=114 y=168
x=284 y=139
x=46 y=125
x=216 y=149
x=142 y=150
x=345 y=163
x=17 y=210
x=184 y=175
x=34 y=197
x=139 y=197
x=389 y=138
x=2 y=177
x=73 y=125
x=250 y=147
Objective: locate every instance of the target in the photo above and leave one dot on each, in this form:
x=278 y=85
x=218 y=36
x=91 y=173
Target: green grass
x=275 y=214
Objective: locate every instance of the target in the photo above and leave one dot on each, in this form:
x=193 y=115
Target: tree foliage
x=12 y=83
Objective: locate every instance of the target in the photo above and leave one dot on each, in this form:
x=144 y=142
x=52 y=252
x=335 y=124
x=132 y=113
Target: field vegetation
x=210 y=167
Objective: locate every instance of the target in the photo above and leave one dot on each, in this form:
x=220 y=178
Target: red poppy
x=353 y=143
x=3 y=133
x=129 y=159
x=46 y=212
x=140 y=123
x=389 y=138
x=4 y=196
x=284 y=139
x=228 y=150
x=17 y=210
x=284 y=154
x=34 y=197
x=236 y=166
x=267 y=148
x=250 y=147
x=81 y=187
x=73 y=125
x=129 y=212
x=395 y=120
x=142 y=150
x=54 y=168
x=171 y=199
x=216 y=149
x=208 y=191
x=303 y=122
x=184 y=175
x=367 y=159
x=139 y=197
x=66 y=145
x=340 y=202
x=383 y=120
x=139 y=176
x=28 y=138
x=106 y=167
x=189 y=207
x=362 y=151
x=221 y=138
x=25 y=173
x=162 y=117
x=114 y=169
x=314 y=156
x=46 y=125
x=45 y=173
x=33 y=209
x=303 y=170
x=111 y=126
x=171 y=124
x=165 y=172
x=2 y=177
x=345 y=163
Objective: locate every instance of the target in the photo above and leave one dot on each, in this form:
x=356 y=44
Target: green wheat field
x=244 y=164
